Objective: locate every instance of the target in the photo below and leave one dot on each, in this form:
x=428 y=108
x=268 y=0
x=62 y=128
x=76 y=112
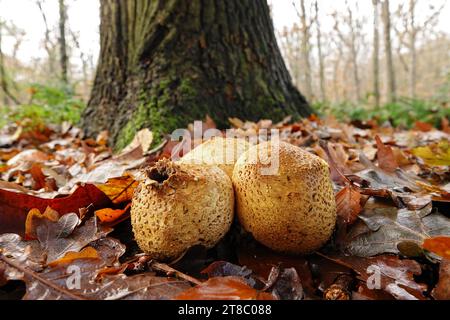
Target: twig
x=165 y=268
x=171 y=271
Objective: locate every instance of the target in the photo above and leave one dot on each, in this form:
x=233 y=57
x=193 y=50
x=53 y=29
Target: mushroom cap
x=178 y=206
x=219 y=151
x=292 y=211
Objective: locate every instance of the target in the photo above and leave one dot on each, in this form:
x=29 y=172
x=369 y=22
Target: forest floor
x=65 y=205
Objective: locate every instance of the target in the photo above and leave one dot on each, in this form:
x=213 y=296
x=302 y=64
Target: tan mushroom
x=178 y=206
x=292 y=211
x=219 y=151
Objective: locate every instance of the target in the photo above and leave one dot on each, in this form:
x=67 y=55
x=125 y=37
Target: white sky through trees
x=84 y=20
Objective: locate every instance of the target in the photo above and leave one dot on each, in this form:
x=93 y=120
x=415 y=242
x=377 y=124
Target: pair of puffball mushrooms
x=182 y=204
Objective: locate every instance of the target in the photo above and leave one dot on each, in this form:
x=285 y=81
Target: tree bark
x=354 y=56
x=392 y=90
x=165 y=63
x=7 y=95
x=376 y=54
x=305 y=51
x=412 y=49
x=62 y=41
x=323 y=94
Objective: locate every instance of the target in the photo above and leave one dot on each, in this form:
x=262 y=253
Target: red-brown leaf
x=438 y=245
x=348 y=202
x=224 y=288
x=442 y=290
x=386 y=157
x=14 y=207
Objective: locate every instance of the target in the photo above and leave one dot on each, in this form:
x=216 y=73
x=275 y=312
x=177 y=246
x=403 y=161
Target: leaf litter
x=64 y=204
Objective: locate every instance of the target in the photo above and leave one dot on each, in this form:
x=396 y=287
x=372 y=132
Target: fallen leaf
x=56 y=283
x=423 y=126
x=14 y=207
x=33 y=218
x=224 y=288
x=386 y=157
x=143 y=139
x=287 y=285
x=86 y=253
x=442 y=290
x=38 y=177
x=227 y=269
x=120 y=189
x=33 y=156
x=439 y=246
x=109 y=215
x=390 y=228
x=262 y=260
x=435 y=154
x=390 y=273
x=348 y=202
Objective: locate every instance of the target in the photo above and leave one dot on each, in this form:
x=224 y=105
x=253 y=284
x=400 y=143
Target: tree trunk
x=305 y=51
x=376 y=54
x=62 y=40
x=354 y=56
x=392 y=90
x=7 y=96
x=323 y=94
x=412 y=49
x=165 y=63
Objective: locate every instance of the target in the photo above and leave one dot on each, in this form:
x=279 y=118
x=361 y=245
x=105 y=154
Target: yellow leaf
x=435 y=154
x=34 y=216
x=109 y=215
x=120 y=189
x=86 y=253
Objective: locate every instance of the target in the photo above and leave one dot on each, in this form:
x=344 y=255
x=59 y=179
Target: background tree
x=166 y=63
x=320 y=56
x=4 y=81
x=350 y=40
x=376 y=53
x=392 y=90
x=408 y=30
x=305 y=27
x=62 y=41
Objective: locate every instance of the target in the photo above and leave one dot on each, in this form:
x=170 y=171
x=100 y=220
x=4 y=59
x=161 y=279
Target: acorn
x=291 y=210
x=219 y=151
x=177 y=206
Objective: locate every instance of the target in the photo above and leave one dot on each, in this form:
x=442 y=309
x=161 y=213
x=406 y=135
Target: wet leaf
x=14 y=206
x=386 y=157
x=348 y=202
x=442 y=290
x=109 y=215
x=224 y=288
x=389 y=227
x=86 y=253
x=439 y=246
x=388 y=273
x=119 y=189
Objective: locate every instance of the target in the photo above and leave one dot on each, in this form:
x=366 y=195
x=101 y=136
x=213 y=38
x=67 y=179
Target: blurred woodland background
x=356 y=60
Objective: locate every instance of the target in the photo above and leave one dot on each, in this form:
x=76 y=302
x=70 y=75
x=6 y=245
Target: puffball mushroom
x=219 y=151
x=178 y=206
x=292 y=211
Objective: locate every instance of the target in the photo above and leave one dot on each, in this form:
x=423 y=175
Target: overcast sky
x=84 y=19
